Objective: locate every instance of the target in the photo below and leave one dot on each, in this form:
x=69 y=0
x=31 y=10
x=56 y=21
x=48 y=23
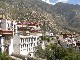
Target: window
x=37 y=38
x=25 y=40
x=37 y=43
x=29 y=39
x=0 y=40
x=21 y=46
x=21 y=40
x=31 y=44
x=25 y=45
x=34 y=44
x=8 y=25
x=29 y=54
x=50 y=34
x=14 y=26
x=34 y=39
x=29 y=49
x=0 y=49
x=67 y=45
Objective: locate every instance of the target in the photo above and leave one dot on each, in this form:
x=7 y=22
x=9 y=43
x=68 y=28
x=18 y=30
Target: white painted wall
x=11 y=50
x=2 y=43
x=23 y=50
x=16 y=44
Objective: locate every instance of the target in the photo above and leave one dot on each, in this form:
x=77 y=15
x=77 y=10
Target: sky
x=64 y=1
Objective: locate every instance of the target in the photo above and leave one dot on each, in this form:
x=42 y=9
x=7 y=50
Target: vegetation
x=53 y=52
x=4 y=56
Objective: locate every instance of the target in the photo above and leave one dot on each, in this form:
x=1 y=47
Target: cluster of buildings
x=19 y=37
x=69 y=40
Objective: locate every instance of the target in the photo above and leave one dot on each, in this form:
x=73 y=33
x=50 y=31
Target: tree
x=56 y=52
x=77 y=56
x=40 y=52
x=4 y=56
x=51 y=52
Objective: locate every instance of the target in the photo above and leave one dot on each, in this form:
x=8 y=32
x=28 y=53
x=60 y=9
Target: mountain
x=70 y=15
x=61 y=16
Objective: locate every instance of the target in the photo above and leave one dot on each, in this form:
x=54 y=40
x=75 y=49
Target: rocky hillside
x=60 y=16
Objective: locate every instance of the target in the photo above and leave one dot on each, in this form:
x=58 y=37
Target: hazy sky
x=65 y=1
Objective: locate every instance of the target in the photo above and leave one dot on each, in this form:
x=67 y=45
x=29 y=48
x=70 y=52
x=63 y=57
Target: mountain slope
x=61 y=16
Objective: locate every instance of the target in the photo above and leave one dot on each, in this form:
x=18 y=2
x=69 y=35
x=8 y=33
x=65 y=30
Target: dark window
x=0 y=40
x=34 y=39
x=21 y=40
x=21 y=46
x=37 y=43
x=29 y=39
x=34 y=44
x=25 y=40
x=8 y=25
x=29 y=49
x=0 y=49
x=14 y=26
x=25 y=45
x=31 y=44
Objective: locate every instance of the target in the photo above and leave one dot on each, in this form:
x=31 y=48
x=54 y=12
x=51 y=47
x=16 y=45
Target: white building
x=24 y=36
x=28 y=44
x=25 y=45
x=6 y=34
x=5 y=40
x=66 y=40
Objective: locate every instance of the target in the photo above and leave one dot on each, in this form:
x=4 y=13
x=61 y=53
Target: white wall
x=25 y=50
x=11 y=50
x=16 y=44
x=2 y=43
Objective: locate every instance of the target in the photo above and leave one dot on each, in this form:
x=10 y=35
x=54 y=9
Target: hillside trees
x=53 y=52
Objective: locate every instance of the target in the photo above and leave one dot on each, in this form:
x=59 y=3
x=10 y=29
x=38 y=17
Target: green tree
x=54 y=52
x=77 y=56
x=4 y=56
x=51 y=52
x=40 y=52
